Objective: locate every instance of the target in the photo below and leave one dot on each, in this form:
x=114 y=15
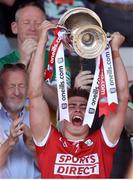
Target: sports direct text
x=69 y=165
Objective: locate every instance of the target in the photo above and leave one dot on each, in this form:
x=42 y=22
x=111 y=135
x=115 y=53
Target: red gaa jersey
x=60 y=158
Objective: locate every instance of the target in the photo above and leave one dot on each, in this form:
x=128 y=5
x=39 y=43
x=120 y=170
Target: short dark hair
x=78 y=92
x=12 y=67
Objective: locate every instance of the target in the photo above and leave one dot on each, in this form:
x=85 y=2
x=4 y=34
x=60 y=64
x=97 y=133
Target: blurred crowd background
x=115 y=15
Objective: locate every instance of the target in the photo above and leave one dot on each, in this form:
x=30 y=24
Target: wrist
x=11 y=142
x=115 y=53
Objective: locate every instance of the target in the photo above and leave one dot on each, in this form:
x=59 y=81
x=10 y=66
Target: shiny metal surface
x=85 y=34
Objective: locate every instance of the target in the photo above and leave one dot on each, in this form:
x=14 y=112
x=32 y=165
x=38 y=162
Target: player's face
x=77 y=107
x=28 y=21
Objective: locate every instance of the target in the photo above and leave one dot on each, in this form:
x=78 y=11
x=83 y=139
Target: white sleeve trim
x=107 y=141
x=43 y=142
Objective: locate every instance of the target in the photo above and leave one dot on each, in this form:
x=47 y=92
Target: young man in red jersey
x=73 y=152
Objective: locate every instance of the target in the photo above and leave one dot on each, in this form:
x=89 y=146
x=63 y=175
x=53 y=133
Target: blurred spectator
x=4 y=42
x=10 y=15
x=17 y=151
x=117 y=15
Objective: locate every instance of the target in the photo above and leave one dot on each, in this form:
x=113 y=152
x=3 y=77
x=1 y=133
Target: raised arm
x=50 y=95
x=114 y=123
x=26 y=49
x=39 y=111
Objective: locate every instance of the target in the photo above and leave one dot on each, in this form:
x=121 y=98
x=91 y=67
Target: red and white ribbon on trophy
x=103 y=88
x=56 y=56
x=108 y=104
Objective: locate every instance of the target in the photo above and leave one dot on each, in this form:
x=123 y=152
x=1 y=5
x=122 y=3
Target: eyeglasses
x=14 y=66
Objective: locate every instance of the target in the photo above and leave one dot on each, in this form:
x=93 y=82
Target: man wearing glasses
x=17 y=151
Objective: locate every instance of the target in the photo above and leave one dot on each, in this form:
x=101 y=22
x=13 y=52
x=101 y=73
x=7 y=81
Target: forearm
x=115 y=122
x=5 y=149
x=50 y=95
x=35 y=72
x=121 y=76
x=36 y=69
x=39 y=110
